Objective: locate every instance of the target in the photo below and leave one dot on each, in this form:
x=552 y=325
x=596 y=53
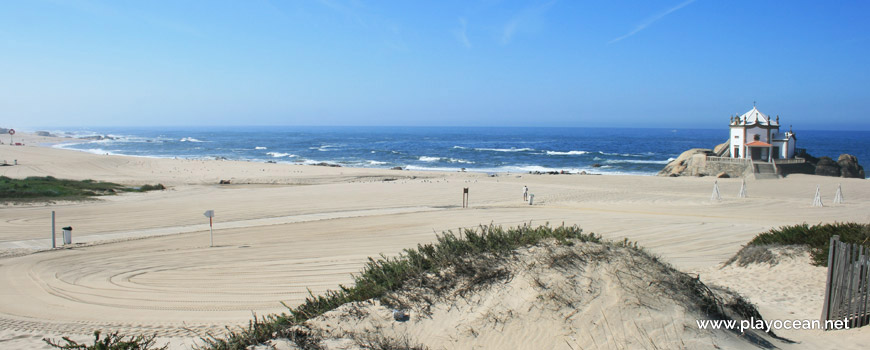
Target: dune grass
x=816 y=237
x=37 y=188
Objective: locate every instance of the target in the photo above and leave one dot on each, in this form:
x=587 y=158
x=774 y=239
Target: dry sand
x=281 y=229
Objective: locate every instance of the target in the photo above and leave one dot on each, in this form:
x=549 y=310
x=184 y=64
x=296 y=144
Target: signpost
x=12 y=137
x=210 y=214
x=53 y=244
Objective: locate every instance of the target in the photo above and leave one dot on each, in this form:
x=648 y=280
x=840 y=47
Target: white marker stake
x=210 y=214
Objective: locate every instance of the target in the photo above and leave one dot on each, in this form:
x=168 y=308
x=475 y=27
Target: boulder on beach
x=685 y=164
x=849 y=166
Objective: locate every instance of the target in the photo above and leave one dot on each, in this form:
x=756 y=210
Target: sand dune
x=282 y=229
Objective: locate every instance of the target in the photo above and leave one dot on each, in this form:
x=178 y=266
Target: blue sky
x=674 y=64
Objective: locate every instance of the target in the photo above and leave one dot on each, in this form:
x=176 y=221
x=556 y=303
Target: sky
x=668 y=63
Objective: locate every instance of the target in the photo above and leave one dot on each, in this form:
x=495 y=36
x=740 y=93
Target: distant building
x=754 y=135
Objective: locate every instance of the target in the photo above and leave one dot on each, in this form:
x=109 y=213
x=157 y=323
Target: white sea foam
x=259 y=147
x=505 y=149
x=280 y=155
x=569 y=153
x=190 y=139
x=375 y=162
x=638 y=161
x=449 y=160
x=324 y=148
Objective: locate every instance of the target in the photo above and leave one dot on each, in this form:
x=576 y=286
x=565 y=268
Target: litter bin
x=531 y=198
x=67 y=235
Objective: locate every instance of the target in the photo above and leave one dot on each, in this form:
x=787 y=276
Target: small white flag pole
x=716 y=195
x=210 y=214
x=817 y=200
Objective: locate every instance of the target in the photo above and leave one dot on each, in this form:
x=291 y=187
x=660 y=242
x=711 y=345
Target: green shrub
x=111 y=342
x=816 y=237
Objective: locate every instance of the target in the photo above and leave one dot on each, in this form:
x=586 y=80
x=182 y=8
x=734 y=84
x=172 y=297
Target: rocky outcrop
x=688 y=163
x=849 y=166
x=694 y=163
x=845 y=166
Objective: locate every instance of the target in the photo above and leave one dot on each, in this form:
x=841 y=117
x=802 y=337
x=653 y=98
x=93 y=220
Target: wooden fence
x=846 y=292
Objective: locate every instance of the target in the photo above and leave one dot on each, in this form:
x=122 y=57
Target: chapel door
x=756 y=153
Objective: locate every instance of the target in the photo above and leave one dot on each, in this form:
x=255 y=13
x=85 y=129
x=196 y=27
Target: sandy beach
x=141 y=262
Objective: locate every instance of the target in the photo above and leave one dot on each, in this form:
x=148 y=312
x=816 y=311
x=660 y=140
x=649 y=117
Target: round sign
x=11 y=131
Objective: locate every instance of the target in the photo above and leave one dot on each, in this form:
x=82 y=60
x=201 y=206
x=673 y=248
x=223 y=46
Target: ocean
x=480 y=149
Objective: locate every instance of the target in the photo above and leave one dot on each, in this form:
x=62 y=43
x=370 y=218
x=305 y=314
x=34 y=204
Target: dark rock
x=723 y=175
x=44 y=133
x=849 y=167
x=224 y=182
x=397 y=168
x=596 y=165
x=827 y=167
x=327 y=164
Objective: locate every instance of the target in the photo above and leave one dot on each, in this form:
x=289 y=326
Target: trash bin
x=67 y=235
x=531 y=198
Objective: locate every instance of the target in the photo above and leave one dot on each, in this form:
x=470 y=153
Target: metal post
x=211 y=231
x=53 y=244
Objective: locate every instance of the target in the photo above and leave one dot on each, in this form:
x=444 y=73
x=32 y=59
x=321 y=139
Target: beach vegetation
x=44 y=188
x=816 y=238
x=113 y=341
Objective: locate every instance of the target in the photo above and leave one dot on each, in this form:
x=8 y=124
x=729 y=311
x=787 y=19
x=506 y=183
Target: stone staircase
x=764 y=171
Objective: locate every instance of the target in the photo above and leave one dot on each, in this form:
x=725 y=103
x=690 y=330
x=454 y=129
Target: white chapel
x=754 y=135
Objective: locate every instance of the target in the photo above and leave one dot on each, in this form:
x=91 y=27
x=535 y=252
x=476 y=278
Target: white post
x=716 y=195
x=531 y=198
x=53 y=244
x=742 y=190
x=817 y=200
x=838 y=198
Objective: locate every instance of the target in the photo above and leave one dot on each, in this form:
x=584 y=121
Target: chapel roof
x=755 y=117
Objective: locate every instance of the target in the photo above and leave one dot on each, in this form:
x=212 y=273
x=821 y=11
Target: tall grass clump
x=817 y=238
